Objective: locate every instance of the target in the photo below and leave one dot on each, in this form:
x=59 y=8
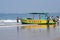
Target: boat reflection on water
x=37 y=32
x=38 y=27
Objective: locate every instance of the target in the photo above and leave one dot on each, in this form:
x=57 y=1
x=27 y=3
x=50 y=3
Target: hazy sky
x=26 y=6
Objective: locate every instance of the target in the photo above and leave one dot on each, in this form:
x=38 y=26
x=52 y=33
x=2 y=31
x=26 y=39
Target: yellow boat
x=42 y=19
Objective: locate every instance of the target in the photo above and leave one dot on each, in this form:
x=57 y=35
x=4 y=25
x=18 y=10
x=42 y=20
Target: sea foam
x=9 y=21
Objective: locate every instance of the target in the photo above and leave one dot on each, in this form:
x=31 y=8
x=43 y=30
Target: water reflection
x=30 y=32
x=40 y=32
x=17 y=28
x=38 y=26
x=18 y=32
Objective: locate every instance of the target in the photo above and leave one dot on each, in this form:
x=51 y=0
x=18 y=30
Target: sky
x=28 y=6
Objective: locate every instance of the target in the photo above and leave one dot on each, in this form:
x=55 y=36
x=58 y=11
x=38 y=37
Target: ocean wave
x=9 y=21
x=12 y=20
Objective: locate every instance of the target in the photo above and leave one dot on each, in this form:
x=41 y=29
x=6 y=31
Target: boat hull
x=37 y=22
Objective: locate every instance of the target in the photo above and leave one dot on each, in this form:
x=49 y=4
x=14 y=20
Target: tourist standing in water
x=57 y=20
x=48 y=19
x=53 y=18
x=18 y=19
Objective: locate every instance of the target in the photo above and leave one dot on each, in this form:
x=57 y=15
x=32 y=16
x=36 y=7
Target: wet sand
x=29 y=32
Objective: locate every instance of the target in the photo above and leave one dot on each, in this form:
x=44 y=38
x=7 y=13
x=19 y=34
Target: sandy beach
x=14 y=31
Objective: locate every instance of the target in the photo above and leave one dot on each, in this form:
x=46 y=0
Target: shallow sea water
x=28 y=33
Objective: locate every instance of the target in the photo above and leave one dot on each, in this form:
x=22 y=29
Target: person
x=53 y=19
x=17 y=19
x=57 y=20
x=48 y=18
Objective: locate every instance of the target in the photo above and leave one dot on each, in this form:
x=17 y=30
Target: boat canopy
x=39 y=13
